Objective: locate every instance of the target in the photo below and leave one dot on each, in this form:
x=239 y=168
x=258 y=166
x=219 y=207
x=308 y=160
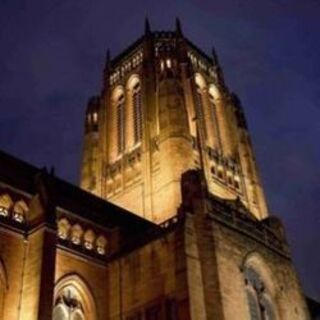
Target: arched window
x=199 y=101
x=199 y=106
x=73 y=300
x=68 y=305
x=215 y=113
x=268 y=309
x=137 y=112
x=213 y=107
x=120 y=124
x=259 y=299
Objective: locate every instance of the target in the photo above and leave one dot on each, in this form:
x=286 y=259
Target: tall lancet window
x=259 y=300
x=137 y=112
x=120 y=124
x=68 y=305
x=213 y=106
x=200 y=109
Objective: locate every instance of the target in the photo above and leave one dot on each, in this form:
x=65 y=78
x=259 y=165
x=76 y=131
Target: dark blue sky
x=51 y=60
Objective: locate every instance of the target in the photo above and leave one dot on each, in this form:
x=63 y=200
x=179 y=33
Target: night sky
x=52 y=55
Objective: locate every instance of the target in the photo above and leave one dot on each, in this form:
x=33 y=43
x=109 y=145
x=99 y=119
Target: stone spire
x=178 y=27
x=147 y=29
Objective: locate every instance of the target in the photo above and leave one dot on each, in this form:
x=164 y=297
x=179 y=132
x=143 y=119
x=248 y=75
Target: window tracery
x=68 y=305
x=73 y=299
x=120 y=124
x=137 y=111
x=259 y=299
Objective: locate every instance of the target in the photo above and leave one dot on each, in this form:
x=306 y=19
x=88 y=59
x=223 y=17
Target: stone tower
x=164 y=109
x=167 y=140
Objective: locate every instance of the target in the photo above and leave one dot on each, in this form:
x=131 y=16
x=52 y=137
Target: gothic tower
x=164 y=109
x=167 y=140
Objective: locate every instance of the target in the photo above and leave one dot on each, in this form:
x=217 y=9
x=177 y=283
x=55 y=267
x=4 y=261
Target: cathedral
x=170 y=221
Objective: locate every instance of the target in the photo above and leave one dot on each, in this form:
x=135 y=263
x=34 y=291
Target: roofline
x=21 y=175
x=122 y=55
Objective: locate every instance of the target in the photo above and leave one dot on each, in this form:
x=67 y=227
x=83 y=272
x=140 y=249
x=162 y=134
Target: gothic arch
x=261 y=289
x=256 y=261
x=201 y=104
x=118 y=123
x=132 y=81
x=82 y=297
x=133 y=111
x=116 y=93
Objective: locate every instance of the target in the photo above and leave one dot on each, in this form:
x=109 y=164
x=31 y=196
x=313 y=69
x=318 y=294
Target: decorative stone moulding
x=80 y=236
x=126 y=67
x=12 y=211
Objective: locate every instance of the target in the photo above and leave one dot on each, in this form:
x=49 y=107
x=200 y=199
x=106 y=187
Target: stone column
x=40 y=253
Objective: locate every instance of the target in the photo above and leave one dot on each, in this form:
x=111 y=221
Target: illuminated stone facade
x=165 y=109
x=213 y=253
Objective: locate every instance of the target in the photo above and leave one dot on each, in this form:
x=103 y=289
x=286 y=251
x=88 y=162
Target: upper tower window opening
x=200 y=86
x=137 y=109
x=212 y=106
x=169 y=63
x=95 y=117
